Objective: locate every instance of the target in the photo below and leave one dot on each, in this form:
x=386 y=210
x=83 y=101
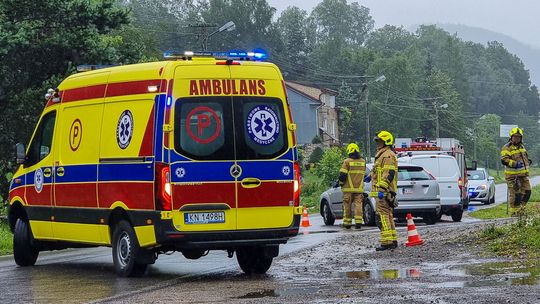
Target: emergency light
x=92 y=67
x=256 y=55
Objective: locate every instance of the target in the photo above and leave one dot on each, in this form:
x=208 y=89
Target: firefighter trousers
x=519 y=192
x=387 y=224
x=349 y=200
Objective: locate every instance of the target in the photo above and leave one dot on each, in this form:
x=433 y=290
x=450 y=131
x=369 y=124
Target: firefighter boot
x=358 y=226
x=394 y=244
x=384 y=247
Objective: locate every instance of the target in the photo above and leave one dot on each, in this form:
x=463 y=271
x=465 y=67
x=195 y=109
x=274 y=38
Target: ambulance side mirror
x=20 y=153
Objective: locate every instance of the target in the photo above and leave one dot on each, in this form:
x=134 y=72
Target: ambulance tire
x=125 y=248
x=252 y=260
x=24 y=251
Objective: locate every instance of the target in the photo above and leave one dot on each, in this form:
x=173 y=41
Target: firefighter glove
x=519 y=165
x=380 y=195
x=367 y=179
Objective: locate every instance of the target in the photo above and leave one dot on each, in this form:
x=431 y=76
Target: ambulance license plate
x=204 y=217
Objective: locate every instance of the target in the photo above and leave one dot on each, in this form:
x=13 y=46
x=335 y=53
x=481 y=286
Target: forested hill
x=529 y=54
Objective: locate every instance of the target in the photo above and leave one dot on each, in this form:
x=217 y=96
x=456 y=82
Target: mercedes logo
x=236 y=170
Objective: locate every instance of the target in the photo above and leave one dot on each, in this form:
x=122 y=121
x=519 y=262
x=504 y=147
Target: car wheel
x=24 y=251
x=492 y=200
x=252 y=260
x=438 y=215
x=328 y=217
x=369 y=214
x=430 y=219
x=457 y=215
x=125 y=248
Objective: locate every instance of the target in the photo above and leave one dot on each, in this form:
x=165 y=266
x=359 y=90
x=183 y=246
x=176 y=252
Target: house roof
x=312 y=92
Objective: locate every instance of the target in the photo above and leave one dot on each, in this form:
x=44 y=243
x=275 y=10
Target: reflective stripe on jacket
x=355 y=170
x=385 y=161
x=510 y=156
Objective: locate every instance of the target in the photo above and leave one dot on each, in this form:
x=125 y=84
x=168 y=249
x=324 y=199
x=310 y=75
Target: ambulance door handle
x=47 y=172
x=60 y=171
x=251 y=182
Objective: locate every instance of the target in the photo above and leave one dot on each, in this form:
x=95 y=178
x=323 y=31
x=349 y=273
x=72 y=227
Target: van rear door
x=203 y=167
x=447 y=173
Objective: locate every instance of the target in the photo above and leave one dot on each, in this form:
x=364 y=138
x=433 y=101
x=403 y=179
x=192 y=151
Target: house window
x=333 y=128
x=324 y=124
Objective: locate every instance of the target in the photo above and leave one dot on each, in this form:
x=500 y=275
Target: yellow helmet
x=515 y=131
x=386 y=137
x=352 y=147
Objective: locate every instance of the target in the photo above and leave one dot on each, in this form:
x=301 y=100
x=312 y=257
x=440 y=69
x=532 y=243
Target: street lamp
x=368 y=139
x=229 y=26
x=437 y=127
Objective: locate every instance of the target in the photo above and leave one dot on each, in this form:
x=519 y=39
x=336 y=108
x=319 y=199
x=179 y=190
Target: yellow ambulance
x=190 y=154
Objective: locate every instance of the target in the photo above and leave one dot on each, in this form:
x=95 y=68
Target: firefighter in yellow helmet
x=383 y=188
x=351 y=179
x=516 y=161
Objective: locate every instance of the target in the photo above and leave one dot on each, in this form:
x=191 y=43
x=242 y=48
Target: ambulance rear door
x=203 y=167
x=265 y=186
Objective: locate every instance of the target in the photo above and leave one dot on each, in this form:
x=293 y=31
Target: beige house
x=315 y=113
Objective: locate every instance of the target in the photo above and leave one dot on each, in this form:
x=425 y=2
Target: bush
x=316 y=155
x=316 y=140
x=328 y=168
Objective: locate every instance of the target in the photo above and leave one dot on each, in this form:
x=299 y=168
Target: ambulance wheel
x=24 y=251
x=125 y=248
x=252 y=260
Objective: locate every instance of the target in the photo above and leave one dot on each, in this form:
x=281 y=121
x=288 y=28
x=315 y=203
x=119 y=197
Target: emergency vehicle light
x=257 y=54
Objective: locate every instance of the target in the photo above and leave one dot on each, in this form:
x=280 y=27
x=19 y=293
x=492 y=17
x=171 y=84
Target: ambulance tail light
x=296 y=184
x=163 y=187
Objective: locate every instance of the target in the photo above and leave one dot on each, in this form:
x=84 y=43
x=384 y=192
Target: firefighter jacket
x=384 y=173
x=511 y=155
x=352 y=175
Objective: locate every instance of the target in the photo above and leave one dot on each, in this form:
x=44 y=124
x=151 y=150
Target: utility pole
x=368 y=141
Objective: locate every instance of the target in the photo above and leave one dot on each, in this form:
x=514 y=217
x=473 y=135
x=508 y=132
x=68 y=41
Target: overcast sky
x=519 y=19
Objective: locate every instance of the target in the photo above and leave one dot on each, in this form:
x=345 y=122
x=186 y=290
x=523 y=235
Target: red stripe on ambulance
x=207 y=193
x=147 y=145
x=268 y=194
x=136 y=195
x=69 y=195
x=90 y=92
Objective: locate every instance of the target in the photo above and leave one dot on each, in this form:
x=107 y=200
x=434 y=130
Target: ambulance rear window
x=204 y=128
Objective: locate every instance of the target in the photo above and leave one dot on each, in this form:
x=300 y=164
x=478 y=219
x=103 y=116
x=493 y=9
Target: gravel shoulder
x=451 y=267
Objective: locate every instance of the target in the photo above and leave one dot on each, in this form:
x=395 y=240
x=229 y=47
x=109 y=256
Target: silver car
x=418 y=194
x=481 y=186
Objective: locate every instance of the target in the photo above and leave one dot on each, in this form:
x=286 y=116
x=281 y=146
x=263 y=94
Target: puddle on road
x=389 y=274
x=280 y=292
x=474 y=275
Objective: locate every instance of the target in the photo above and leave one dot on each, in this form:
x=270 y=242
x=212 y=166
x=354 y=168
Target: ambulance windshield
x=227 y=128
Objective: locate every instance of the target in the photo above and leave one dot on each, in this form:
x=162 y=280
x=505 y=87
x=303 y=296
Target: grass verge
x=499 y=211
x=519 y=239
x=6 y=239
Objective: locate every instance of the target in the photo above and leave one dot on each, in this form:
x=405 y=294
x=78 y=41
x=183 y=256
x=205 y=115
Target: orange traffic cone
x=413 y=236
x=305 y=219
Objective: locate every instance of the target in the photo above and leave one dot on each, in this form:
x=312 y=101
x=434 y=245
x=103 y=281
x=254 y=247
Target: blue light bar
x=257 y=55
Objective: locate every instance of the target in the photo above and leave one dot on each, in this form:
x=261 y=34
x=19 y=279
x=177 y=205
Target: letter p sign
x=75 y=135
x=203 y=122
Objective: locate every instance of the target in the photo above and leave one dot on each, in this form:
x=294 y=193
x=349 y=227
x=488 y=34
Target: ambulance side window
x=41 y=145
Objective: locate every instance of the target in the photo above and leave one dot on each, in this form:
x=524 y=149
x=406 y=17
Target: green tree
x=40 y=43
x=316 y=155
x=329 y=165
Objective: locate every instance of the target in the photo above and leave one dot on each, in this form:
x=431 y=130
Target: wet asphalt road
x=87 y=275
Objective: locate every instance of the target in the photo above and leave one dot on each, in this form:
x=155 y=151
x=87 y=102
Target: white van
x=446 y=171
